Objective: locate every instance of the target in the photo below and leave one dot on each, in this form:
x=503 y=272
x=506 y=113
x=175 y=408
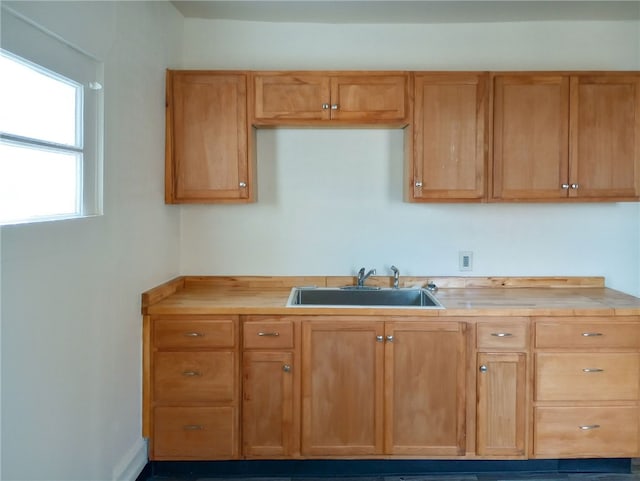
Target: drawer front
x=502 y=335
x=586 y=431
x=194 y=376
x=186 y=334
x=587 y=377
x=194 y=433
x=268 y=335
x=587 y=334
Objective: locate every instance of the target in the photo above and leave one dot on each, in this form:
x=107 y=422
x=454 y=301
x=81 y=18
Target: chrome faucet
x=363 y=277
x=396 y=277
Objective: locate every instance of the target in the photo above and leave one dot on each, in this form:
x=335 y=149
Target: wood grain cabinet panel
x=450 y=137
x=530 y=137
x=501 y=416
x=587 y=376
x=207 y=152
x=342 y=387
x=267 y=404
x=503 y=335
x=605 y=136
x=566 y=136
x=194 y=433
x=425 y=388
x=586 y=432
x=322 y=98
x=267 y=334
x=588 y=333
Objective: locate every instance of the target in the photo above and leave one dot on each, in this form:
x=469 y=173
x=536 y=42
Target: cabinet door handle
x=325 y=106
x=269 y=334
x=191 y=373
x=193 y=427
x=379 y=338
x=286 y=368
x=193 y=334
x=565 y=186
x=335 y=107
x=418 y=183
x=501 y=334
x=390 y=338
x=591 y=334
x=483 y=368
x=575 y=186
x=589 y=427
x=592 y=369
x=242 y=185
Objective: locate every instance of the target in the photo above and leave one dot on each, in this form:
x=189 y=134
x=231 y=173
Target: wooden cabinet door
x=450 y=137
x=342 y=374
x=207 y=141
x=501 y=392
x=369 y=97
x=292 y=96
x=605 y=136
x=530 y=137
x=267 y=403
x=425 y=388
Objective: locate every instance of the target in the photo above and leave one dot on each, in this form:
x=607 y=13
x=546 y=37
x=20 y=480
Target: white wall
x=330 y=201
x=71 y=324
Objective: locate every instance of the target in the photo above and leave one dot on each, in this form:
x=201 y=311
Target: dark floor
x=439 y=477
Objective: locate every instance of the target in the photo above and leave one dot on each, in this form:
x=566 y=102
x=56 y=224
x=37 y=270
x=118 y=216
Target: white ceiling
x=411 y=11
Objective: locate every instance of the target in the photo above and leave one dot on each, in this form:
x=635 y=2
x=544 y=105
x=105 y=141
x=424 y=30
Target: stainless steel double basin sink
x=353 y=296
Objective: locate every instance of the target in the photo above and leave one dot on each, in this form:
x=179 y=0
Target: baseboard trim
x=132 y=463
x=377 y=468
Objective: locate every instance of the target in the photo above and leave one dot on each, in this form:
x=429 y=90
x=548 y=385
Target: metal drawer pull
x=193 y=427
x=592 y=369
x=268 y=334
x=192 y=373
x=591 y=334
x=501 y=334
x=589 y=427
x=193 y=334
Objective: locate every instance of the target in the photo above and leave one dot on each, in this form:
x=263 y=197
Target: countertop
x=460 y=296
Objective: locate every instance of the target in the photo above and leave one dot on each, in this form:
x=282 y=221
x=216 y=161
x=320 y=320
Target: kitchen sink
x=362 y=297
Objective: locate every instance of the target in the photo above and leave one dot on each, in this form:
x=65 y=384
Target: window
x=50 y=162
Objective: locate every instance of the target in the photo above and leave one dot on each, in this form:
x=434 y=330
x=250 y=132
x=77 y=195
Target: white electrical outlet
x=465 y=260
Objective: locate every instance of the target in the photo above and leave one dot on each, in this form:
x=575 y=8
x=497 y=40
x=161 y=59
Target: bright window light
x=41 y=143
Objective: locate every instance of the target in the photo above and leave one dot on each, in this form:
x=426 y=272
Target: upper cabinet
x=448 y=160
x=566 y=137
x=469 y=136
x=317 y=98
x=207 y=146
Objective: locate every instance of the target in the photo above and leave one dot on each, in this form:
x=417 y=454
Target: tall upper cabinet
x=558 y=136
x=448 y=159
x=207 y=141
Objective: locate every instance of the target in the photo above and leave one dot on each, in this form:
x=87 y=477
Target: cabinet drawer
x=586 y=431
x=499 y=335
x=587 y=377
x=268 y=334
x=194 y=433
x=592 y=333
x=194 y=376
x=204 y=333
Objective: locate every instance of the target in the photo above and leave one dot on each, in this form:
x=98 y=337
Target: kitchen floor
x=522 y=476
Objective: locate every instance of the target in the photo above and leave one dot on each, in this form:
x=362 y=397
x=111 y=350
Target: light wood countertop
x=468 y=296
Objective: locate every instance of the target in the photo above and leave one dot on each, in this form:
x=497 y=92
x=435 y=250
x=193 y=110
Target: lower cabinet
x=587 y=387
x=501 y=387
x=501 y=416
x=194 y=398
x=383 y=387
x=269 y=379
